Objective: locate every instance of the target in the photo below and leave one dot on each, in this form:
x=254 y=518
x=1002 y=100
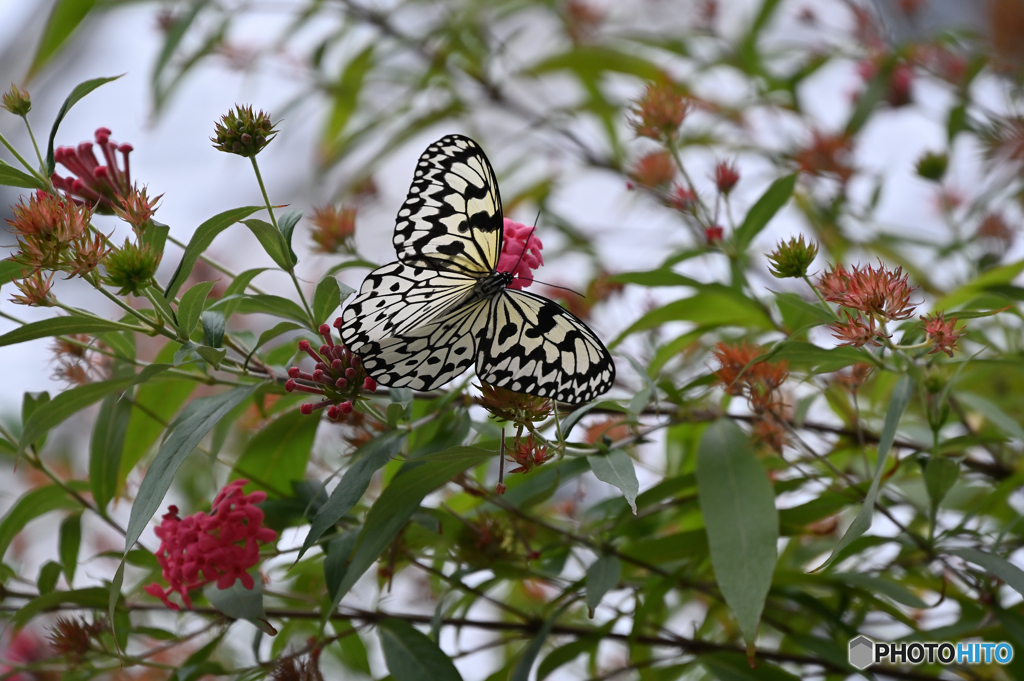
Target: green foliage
x=785 y=462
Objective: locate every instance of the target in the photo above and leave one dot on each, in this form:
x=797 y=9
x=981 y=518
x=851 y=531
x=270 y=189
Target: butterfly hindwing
x=535 y=346
x=451 y=219
x=410 y=328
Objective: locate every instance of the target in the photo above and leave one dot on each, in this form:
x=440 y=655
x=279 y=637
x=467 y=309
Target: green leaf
x=12 y=177
x=897 y=405
x=172 y=38
x=327 y=298
x=735 y=667
x=94 y=597
x=991 y=411
x=79 y=91
x=761 y=213
x=30 y=506
x=591 y=61
x=997 y=276
x=368 y=459
x=227 y=304
x=940 y=474
x=338 y=550
x=107 y=446
x=286 y=223
x=616 y=468
x=804 y=355
x=191 y=307
x=412 y=656
x=64 y=18
x=64 y=405
x=241 y=604
x=738 y=505
x=185 y=433
x=213 y=328
x=70 y=541
x=272 y=333
x=399 y=501
x=155 y=403
x=10 y=270
x=1012 y=575
x=346 y=92
x=879 y=585
x=710 y=308
x=200 y=242
x=659 y=277
x=272 y=305
x=578 y=413
x=277 y=455
x=530 y=653
x=48 y=576
x=59 y=326
x=566 y=654
x=273 y=243
x=603 y=575
x=30 y=403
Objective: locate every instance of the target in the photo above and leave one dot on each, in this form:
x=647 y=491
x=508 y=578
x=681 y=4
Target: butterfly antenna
x=526 y=246
x=564 y=288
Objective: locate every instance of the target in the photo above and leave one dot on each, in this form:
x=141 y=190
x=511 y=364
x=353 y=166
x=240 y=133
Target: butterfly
x=443 y=306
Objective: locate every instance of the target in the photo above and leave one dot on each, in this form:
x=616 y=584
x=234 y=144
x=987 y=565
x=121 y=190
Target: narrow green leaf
x=399 y=501
x=277 y=455
x=286 y=223
x=566 y=654
x=156 y=402
x=107 y=446
x=10 y=270
x=172 y=38
x=897 y=405
x=272 y=305
x=346 y=92
x=64 y=18
x=59 y=326
x=30 y=403
x=761 y=213
x=271 y=333
x=659 y=277
x=412 y=656
x=738 y=505
x=940 y=474
x=94 y=597
x=368 y=459
x=273 y=243
x=241 y=604
x=79 y=91
x=602 y=576
x=616 y=468
x=326 y=299
x=212 y=356
x=338 y=550
x=30 y=506
x=710 y=308
x=570 y=421
x=991 y=411
x=235 y=288
x=191 y=308
x=880 y=585
x=64 y=405
x=48 y=576
x=521 y=672
x=12 y=177
x=70 y=541
x=200 y=242
x=186 y=432
x=998 y=566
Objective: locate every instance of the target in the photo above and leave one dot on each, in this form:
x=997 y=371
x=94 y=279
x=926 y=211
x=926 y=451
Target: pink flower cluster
x=520 y=254
x=96 y=185
x=220 y=547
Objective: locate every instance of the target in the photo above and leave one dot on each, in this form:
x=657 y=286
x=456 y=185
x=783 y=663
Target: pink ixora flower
x=220 y=547
x=520 y=254
x=338 y=376
x=94 y=184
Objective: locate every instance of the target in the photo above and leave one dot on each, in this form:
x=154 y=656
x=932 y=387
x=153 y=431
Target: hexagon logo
x=862 y=652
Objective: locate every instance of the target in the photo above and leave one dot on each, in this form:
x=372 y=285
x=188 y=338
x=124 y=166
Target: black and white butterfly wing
x=451 y=219
x=535 y=346
x=411 y=327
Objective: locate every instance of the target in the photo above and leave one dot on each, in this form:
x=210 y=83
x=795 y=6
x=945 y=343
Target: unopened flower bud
x=792 y=258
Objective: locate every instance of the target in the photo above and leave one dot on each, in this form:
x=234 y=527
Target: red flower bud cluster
x=866 y=296
x=942 y=333
x=220 y=547
x=338 y=375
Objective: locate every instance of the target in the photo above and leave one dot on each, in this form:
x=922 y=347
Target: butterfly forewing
x=451 y=219
x=534 y=346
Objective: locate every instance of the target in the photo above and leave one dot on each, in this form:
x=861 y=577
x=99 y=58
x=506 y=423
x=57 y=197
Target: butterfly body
x=443 y=307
